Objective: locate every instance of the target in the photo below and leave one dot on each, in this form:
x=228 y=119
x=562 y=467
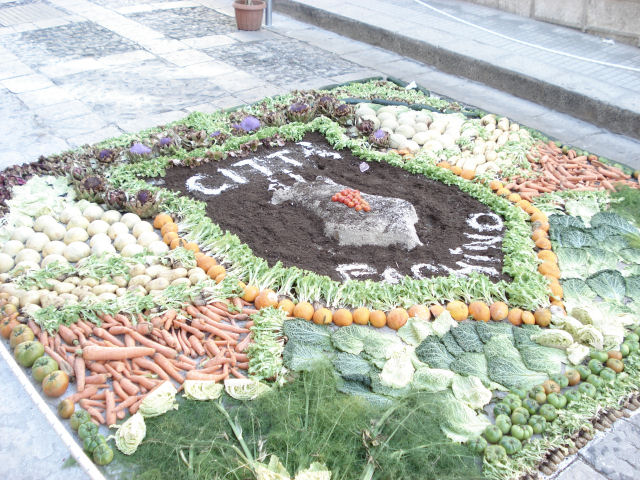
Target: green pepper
x=598 y=355
x=538 y=423
x=517 y=432
x=595 y=380
x=584 y=372
x=503 y=422
x=502 y=409
x=495 y=454
x=87 y=429
x=548 y=412
x=587 y=389
x=493 y=434
x=595 y=366
x=520 y=416
x=538 y=394
x=557 y=400
x=103 y=454
x=624 y=350
x=511 y=445
x=573 y=395
x=520 y=392
x=528 y=431
x=78 y=418
x=512 y=400
x=560 y=379
x=530 y=405
x=608 y=375
x=477 y=445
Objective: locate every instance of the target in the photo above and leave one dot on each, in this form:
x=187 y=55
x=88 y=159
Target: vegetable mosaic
x=131 y=305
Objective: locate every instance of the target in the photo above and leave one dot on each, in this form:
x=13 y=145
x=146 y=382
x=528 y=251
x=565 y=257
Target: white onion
x=158 y=247
x=6 y=263
x=54 y=257
x=28 y=255
x=77 y=222
x=42 y=222
x=22 y=234
x=140 y=228
x=76 y=234
x=68 y=213
x=100 y=238
x=117 y=229
x=102 y=248
x=37 y=241
x=146 y=238
x=131 y=249
x=123 y=239
x=97 y=226
x=27 y=265
x=130 y=219
x=56 y=247
x=55 y=231
x=76 y=251
x=111 y=216
x=93 y=212
x=12 y=247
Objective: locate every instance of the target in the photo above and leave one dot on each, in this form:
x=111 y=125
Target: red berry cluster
x=352 y=199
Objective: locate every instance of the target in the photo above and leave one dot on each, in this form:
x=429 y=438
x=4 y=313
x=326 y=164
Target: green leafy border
x=527 y=290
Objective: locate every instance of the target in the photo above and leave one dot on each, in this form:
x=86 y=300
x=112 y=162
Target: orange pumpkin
x=499 y=311
x=397 y=318
x=361 y=316
x=458 y=310
x=378 y=318
x=479 y=311
x=322 y=316
x=303 y=310
x=342 y=317
x=250 y=293
x=266 y=298
x=419 y=311
x=515 y=316
x=161 y=219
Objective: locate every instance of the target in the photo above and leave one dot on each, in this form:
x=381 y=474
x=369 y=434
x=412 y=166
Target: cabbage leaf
x=553 y=337
x=308 y=333
x=443 y=323
x=159 y=401
x=130 y=434
x=613 y=220
x=505 y=365
x=352 y=367
x=202 y=389
x=245 y=388
x=543 y=359
x=467 y=337
x=576 y=288
x=573 y=262
x=576 y=353
x=632 y=286
x=434 y=354
x=349 y=339
x=432 y=379
x=608 y=284
x=471 y=391
x=414 y=331
x=600 y=259
x=458 y=421
x=398 y=370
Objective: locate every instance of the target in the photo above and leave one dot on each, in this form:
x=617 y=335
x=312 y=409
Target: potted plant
x=249 y=14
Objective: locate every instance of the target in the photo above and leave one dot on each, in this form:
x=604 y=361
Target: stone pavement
x=561 y=68
x=81 y=71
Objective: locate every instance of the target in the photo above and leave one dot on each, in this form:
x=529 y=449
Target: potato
x=76 y=251
x=63 y=287
x=78 y=222
x=412 y=146
x=130 y=219
x=137 y=290
x=141 y=280
x=137 y=269
x=406 y=130
x=106 y=296
x=117 y=229
x=111 y=216
x=197 y=277
x=28 y=254
x=104 y=288
x=30 y=297
x=154 y=270
x=102 y=248
x=74 y=280
x=93 y=212
x=157 y=284
x=97 y=226
x=141 y=227
x=180 y=281
x=131 y=249
x=89 y=282
x=121 y=291
x=12 y=247
x=22 y=234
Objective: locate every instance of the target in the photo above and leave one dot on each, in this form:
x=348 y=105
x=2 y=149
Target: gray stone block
x=579 y=470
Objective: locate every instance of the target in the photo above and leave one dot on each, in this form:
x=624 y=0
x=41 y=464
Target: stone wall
x=616 y=19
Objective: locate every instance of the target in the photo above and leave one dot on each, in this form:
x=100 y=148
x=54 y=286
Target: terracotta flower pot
x=249 y=17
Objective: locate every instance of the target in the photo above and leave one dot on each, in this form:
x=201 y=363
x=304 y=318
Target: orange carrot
x=197 y=375
x=129 y=341
x=197 y=345
x=95 y=379
x=166 y=365
x=80 y=373
x=34 y=327
x=243 y=365
x=62 y=362
x=244 y=343
x=85 y=327
x=67 y=335
x=168 y=318
x=105 y=335
x=126 y=403
x=144 y=328
x=126 y=384
x=170 y=340
x=110 y=410
x=166 y=351
x=151 y=366
x=123 y=320
x=119 y=390
x=86 y=393
x=95 y=414
x=115 y=353
x=237 y=373
x=143 y=381
x=96 y=367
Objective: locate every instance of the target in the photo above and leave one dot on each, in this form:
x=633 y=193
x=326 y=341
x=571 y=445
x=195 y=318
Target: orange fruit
x=322 y=316
x=514 y=197
x=515 y=316
x=543 y=244
x=205 y=262
x=303 y=310
x=192 y=246
x=378 y=318
x=436 y=310
x=220 y=277
x=286 y=305
x=419 y=311
x=538 y=234
x=499 y=311
x=556 y=290
x=456 y=170
x=177 y=242
x=169 y=237
x=446 y=165
x=458 y=310
x=342 y=317
x=361 y=316
x=396 y=318
x=549 y=269
x=547 y=256
x=496 y=185
x=539 y=217
x=479 y=311
x=161 y=219
x=528 y=318
x=168 y=227
x=503 y=192
x=468 y=174
x=266 y=298
x=216 y=270
x=542 y=317
x=250 y=293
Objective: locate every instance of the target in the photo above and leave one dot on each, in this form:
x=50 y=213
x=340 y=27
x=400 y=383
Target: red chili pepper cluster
x=352 y=199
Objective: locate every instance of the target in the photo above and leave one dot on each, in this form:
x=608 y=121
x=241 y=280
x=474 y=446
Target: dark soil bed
x=294 y=236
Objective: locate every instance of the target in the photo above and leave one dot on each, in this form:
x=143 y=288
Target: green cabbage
x=576 y=289
x=398 y=370
x=467 y=337
x=585 y=208
x=470 y=391
x=608 y=284
x=543 y=359
x=552 y=337
x=130 y=434
x=600 y=259
x=432 y=379
x=415 y=330
x=301 y=331
x=443 y=323
x=245 y=388
x=316 y=471
x=576 y=353
x=505 y=365
x=434 y=354
x=613 y=220
x=202 y=389
x=160 y=401
x=352 y=367
x=350 y=339
x=458 y=421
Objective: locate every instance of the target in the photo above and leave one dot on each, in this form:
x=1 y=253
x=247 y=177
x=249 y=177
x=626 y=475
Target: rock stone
x=391 y=221
x=581 y=470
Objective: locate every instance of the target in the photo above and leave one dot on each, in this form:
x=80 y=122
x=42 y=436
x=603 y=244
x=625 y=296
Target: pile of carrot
x=559 y=171
x=118 y=363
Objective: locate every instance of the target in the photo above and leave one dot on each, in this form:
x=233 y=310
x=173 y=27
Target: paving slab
x=561 y=68
x=617 y=454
